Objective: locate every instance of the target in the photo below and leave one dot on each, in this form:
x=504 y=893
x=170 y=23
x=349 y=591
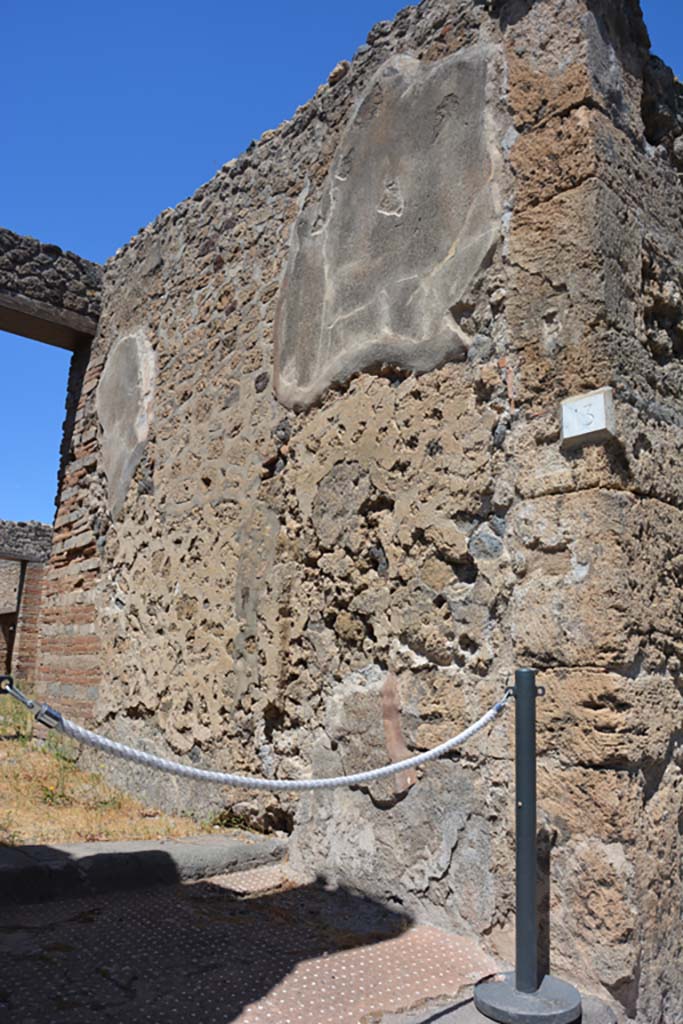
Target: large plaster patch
x=124 y=400
x=409 y=216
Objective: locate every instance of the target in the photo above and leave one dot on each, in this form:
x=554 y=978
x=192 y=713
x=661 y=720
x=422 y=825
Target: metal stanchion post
x=521 y=997
x=526 y=962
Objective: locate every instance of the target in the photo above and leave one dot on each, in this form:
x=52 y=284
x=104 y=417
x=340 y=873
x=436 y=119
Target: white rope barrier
x=48 y=716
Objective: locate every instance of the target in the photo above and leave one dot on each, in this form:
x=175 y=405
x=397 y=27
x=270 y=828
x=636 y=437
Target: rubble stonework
x=28 y=542
x=47 y=293
x=233 y=576
x=48 y=274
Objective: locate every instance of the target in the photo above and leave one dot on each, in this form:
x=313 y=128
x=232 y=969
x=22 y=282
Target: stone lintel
x=42 y=322
x=19 y=556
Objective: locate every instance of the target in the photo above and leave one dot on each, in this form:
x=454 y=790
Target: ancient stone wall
x=24 y=549
x=10 y=577
x=10 y=572
x=70 y=649
x=26 y=650
x=315 y=490
x=27 y=542
x=46 y=293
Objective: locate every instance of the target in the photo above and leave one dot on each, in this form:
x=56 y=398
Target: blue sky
x=113 y=112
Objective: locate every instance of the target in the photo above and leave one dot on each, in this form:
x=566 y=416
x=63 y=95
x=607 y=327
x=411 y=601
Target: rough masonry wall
x=46 y=293
x=10 y=572
x=263 y=583
x=24 y=549
x=10 y=575
x=28 y=542
x=26 y=651
x=70 y=649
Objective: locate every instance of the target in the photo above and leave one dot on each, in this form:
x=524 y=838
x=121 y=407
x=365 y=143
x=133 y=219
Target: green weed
x=16 y=721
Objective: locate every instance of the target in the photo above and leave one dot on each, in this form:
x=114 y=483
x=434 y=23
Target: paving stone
x=254 y=947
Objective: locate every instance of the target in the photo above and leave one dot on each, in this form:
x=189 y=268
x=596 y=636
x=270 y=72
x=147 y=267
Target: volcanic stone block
x=381 y=268
x=601 y=577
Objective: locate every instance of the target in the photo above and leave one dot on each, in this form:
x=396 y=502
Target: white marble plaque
x=588 y=418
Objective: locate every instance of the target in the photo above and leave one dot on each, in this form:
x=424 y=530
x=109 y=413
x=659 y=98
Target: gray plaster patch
x=409 y=217
x=124 y=401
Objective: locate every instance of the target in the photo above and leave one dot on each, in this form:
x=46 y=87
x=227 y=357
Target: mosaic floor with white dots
x=252 y=948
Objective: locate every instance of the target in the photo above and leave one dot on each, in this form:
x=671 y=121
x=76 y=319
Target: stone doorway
x=24 y=552
x=10 y=593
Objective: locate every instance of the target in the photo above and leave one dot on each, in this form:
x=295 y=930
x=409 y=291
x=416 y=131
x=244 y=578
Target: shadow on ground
x=34 y=873
x=194 y=952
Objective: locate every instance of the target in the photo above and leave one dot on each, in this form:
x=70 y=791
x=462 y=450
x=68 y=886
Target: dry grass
x=46 y=798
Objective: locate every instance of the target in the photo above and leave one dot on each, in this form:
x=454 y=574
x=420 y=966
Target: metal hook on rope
x=7 y=686
x=511 y=691
x=45 y=714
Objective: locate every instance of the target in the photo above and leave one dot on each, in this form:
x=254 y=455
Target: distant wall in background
x=24 y=551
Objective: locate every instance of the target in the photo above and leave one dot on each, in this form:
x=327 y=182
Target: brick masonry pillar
x=70 y=668
x=27 y=641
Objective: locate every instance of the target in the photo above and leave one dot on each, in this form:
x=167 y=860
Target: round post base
x=553 y=1002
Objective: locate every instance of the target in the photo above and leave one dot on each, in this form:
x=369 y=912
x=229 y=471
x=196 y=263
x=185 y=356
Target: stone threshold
x=35 y=873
